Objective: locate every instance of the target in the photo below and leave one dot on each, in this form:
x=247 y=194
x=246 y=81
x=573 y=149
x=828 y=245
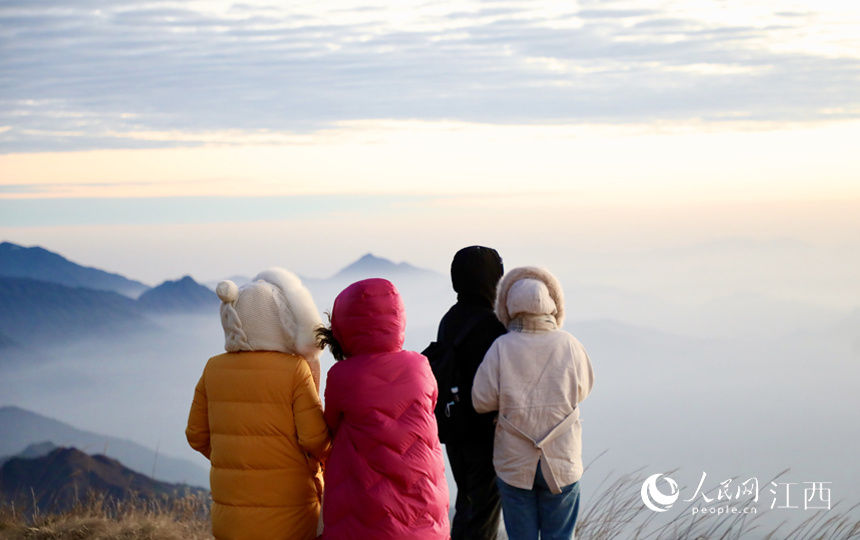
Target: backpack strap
x=561 y=427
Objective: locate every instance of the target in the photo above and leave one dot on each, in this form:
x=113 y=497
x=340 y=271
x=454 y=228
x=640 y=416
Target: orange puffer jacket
x=257 y=417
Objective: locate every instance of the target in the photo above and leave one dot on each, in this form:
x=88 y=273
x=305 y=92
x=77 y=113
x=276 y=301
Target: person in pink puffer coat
x=385 y=475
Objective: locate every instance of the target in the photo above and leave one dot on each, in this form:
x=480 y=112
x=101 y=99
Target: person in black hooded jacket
x=475 y=273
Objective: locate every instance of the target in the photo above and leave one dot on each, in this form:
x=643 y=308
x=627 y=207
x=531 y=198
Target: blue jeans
x=537 y=511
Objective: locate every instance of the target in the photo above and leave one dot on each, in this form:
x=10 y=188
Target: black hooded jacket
x=475 y=273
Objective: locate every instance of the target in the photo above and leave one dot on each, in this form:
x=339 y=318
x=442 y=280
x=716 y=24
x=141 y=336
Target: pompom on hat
x=274 y=312
x=227 y=291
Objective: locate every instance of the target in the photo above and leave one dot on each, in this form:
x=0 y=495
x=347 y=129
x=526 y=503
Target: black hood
x=475 y=272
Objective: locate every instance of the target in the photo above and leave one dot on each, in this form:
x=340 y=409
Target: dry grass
x=615 y=512
x=100 y=518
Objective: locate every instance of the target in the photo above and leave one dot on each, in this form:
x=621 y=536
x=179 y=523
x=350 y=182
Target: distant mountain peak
x=41 y=312
x=238 y=279
x=37 y=449
x=180 y=295
x=55 y=480
x=370 y=265
x=33 y=450
x=40 y=264
x=369 y=259
x=185 y=281
x=23 y=432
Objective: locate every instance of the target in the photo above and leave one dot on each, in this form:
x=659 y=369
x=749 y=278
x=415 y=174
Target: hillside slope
x=39 y=311
x=369 y=265
x=43 y=265
x=181 y=296
x=21 y=428
x=66 y=476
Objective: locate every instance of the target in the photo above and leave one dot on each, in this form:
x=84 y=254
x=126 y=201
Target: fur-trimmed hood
x=274 y=312
x=543 y=301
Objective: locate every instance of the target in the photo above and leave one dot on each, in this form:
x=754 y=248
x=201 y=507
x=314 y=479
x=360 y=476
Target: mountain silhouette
x=183 y=295
x=32 y=451
x=40 y=264
x=36 y=312
x=369 y=265
x=39 y=311
x=238 y=279
x=21 y=428
x=66 y=476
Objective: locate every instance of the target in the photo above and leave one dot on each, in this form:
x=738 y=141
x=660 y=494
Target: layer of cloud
x=78 y=77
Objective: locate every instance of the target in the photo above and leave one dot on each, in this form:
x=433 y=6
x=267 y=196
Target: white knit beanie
x=274 y=312
x=530 y=296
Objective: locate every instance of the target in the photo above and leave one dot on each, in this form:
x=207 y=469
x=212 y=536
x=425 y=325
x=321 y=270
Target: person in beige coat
x=535 y=376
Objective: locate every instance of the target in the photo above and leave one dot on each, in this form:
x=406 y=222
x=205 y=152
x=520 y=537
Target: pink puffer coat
x=385 y=476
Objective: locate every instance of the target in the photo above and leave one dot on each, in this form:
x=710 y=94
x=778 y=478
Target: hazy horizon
x=803 y=251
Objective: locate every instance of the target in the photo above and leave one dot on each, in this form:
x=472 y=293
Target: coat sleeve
x=584 y=372
x=307 y=412
x=197 y=431
x=485 y=388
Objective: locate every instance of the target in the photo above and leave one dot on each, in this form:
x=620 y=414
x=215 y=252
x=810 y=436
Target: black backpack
x=451 y=411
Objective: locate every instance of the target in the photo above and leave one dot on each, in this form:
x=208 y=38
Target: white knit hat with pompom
x=274 y=312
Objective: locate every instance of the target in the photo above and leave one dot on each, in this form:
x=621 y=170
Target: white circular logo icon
x=655 y=499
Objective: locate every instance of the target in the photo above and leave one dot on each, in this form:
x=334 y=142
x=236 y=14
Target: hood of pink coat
x=369 y=317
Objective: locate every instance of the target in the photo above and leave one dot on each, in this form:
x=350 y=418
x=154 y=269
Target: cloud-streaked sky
x=95 y=74
x=153 y=137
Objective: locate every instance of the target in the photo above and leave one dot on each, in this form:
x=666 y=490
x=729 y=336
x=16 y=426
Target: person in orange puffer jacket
x=256 y=413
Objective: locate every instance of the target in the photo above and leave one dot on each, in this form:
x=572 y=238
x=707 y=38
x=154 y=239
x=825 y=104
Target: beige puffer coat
x=535 y=376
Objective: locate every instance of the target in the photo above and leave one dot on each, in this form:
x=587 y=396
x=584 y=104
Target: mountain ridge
x=36 y=262
x=41 y=264
x=22 y=428
x=370 y=265
x=36 y=311
x=181 y=295
x=62 y=312
x=65 y=476
x=32 y=451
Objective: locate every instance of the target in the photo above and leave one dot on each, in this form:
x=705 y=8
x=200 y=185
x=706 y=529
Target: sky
x=130 y=73
x=212 y=137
